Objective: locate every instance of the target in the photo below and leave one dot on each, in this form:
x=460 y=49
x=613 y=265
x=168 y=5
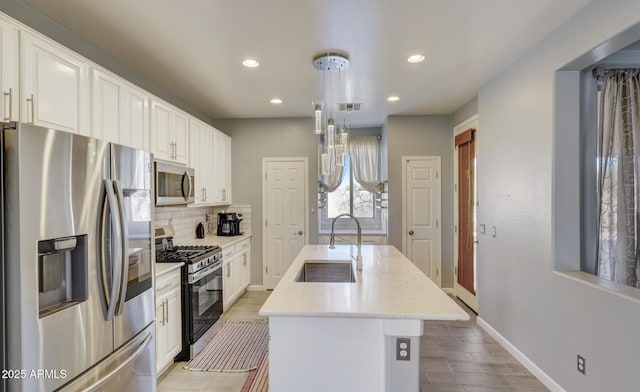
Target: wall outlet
x=582 y=364
x=403 y=349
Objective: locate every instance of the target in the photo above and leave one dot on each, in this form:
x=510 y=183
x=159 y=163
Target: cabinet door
x=54 y=86
x=174 y=324
x=105 y=93
x=235 y=276
x=200 y=159
x=161 y=336
x=226 y=283
x=245 y=270
x=180 y=137
x=161 y=140
x=9 y=63
x=134 y=120
x=222 y=168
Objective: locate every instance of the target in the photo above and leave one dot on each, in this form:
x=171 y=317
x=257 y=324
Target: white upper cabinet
x=54 y=85
x=9 y=71
x=222 y=168
x=201 y=159
x=120 y=111
x=169 y=132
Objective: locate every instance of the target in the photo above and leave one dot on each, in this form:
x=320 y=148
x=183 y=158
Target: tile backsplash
x=185 y=219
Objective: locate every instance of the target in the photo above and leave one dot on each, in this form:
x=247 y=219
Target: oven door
x=206 y=303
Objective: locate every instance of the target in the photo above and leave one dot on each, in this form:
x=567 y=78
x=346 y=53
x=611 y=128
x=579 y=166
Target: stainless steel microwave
x=174 y=184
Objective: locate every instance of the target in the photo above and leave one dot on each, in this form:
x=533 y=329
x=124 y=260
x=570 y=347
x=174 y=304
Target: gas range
x=198 y=258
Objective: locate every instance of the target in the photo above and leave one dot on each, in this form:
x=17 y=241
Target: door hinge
x=436 y=174
x=265 y=223
x=437 y=223
x=455 y=187
x=455 y=270
x=437 y=272
x=455 y=228
x=266 y=270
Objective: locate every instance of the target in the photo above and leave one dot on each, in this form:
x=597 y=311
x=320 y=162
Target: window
x=350 y=197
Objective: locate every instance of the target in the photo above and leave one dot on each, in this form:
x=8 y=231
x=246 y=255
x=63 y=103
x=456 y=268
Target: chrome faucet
x=332 y=240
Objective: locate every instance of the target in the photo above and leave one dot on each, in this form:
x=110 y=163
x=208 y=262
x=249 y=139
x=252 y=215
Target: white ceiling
x=194 y=48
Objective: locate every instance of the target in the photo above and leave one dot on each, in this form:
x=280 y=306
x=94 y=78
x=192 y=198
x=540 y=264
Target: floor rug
x=237 y=347
x=258 y=380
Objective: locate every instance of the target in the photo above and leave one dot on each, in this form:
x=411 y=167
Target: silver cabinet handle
x=166 y=301
x=224 y=194
x=10 y=101
x=31 y=104
x=410 y=232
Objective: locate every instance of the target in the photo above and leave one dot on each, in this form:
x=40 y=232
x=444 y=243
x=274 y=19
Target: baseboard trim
x=526 y=362
x=448 y=290
x=255 y=287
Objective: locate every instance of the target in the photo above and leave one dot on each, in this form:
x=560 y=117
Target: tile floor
x=455 y=357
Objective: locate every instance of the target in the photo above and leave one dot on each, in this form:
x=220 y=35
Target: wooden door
x=466 y=207
x=284 y=206
x=422 y=214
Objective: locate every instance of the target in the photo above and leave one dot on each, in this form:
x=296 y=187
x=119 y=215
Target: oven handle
x=197 y=277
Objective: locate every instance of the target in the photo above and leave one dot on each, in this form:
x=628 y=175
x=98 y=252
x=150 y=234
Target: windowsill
x=352 y=232
x=621 y=290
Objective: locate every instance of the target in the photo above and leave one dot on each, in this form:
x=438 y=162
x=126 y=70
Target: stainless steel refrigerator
x=78 y=263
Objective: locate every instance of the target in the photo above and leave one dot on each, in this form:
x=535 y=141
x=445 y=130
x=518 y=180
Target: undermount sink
x=337 y=271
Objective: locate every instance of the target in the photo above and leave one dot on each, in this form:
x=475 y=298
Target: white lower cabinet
x=236 y=271
x=368 y=239
x=168 y=319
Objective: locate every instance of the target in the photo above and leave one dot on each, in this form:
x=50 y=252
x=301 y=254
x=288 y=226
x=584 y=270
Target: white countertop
x=222 y=241
x=389 y=287
x=163 y=268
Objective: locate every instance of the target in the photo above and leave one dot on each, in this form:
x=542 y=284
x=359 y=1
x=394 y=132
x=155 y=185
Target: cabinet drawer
x=167 y=282
x=242 y=246
x=228 y=252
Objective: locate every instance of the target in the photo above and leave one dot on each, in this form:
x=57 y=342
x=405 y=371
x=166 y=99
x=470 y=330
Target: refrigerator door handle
x=189 y=190
x=124 y=244
x=112 y=297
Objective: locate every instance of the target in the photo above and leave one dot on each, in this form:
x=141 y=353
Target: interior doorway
x=285 y=196
x=465 y=212
x=421 y=214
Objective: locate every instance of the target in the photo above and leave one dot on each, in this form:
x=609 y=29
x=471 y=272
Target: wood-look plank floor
x=456 y=356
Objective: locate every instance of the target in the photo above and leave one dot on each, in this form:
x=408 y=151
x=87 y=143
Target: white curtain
x=365 y=161
x=331 y=181
x=619 y=178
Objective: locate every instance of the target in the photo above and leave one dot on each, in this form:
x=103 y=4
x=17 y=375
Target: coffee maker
x=229 y=223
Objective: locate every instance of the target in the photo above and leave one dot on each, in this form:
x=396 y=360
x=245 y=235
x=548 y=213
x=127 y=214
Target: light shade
x=393 y=98
x=416 y=58
x=250 y=63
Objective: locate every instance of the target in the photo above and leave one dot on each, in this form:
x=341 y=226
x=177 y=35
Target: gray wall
x=254 y=139
x=421 y=135
x=548 y=317
x=466 y=111
x=39 y=22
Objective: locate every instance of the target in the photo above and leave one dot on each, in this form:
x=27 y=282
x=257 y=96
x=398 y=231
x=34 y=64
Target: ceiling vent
x=349 y=107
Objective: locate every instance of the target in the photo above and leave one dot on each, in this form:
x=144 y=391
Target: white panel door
x=422 y=214
x=161 y=140
x=54 y=86
x=134 y=120
x=9 y=81
x=284 y=206
x=105 y=91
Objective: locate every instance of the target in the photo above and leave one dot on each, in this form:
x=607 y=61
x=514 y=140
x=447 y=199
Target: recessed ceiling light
x=415 y=58
x=393 y=98
x=250 y=63
x=276 y=101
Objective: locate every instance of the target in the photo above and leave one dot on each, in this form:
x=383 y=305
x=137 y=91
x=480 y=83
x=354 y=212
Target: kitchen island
x=352 y=336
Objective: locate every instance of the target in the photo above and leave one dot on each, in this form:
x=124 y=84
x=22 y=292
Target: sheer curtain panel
x=365 y=161
x=619 y=178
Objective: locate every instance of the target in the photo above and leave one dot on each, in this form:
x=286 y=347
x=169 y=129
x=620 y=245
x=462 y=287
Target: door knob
x=300 y=232
x=410 y=232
